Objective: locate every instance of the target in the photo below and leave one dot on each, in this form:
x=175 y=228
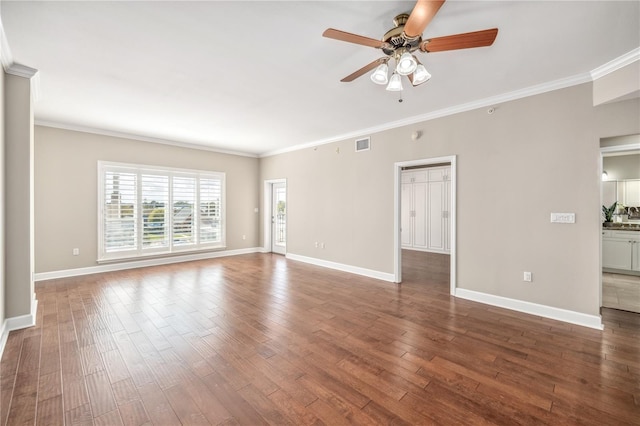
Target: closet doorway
x=424 y=218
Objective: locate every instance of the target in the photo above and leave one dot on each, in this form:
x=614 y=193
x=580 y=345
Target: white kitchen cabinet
x=609 y=192
x=414 y=209
x=625 y=192
x=621 y=250
x=425 y=207
x=631 y=192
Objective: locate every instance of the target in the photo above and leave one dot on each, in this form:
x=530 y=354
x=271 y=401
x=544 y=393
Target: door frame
x=267 y=208
x=397 y=192
x=607 y=150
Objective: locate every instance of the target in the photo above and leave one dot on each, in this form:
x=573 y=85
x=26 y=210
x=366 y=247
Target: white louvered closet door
x=413 y=209
x=406 y=216
x=420 y=215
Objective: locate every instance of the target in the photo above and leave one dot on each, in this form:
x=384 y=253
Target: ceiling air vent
x=363 y=144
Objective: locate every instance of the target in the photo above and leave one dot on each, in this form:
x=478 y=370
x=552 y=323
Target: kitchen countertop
x=622 y=227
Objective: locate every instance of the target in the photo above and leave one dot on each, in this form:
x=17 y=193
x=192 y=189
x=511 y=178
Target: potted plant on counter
x=608 y=214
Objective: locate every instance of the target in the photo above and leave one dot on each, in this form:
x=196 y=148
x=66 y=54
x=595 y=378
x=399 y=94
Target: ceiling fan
x=400 y=42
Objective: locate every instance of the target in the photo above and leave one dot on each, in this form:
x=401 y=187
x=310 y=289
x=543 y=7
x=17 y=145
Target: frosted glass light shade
x=420 y=75
x=379 y=76
x=395 y=84
x=406 y=64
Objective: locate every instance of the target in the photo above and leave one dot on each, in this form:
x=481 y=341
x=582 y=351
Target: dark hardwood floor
x=259 y=339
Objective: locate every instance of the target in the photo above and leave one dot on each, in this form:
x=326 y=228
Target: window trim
x=140 y=252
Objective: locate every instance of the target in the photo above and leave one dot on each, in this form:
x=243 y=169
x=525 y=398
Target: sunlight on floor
x=621 y=292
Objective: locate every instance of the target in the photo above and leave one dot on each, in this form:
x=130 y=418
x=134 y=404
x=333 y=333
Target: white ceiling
x=258 y=77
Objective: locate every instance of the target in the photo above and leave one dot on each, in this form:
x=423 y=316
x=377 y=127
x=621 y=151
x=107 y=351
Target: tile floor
x=621 y=291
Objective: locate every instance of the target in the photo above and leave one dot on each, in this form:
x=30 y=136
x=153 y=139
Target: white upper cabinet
x=631 y=192
x=609 y=192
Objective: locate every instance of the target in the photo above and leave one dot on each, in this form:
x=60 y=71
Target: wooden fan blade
x=364 y=70
x=352 y=38
x=422 y=14
x=460 y=41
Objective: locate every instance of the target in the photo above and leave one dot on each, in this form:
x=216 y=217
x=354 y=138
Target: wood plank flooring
x=259 y=339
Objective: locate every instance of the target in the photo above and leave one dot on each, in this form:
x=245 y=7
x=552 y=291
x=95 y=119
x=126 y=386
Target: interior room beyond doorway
x=426 y=222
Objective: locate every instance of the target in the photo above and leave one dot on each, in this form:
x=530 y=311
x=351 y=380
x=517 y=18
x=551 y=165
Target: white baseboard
x=342 y=267
x=120 y=266
x=16 y=323
x=585 y=320
x=4 y=334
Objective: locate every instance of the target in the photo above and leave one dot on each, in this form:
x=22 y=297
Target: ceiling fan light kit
x=400 y=42
x=420 y=75
x=379 y=76
x=406 y=64
x=395 y=84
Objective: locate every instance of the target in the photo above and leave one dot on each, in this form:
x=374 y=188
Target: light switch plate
x=563 y=218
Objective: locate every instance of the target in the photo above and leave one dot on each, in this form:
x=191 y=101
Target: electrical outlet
x=321 y=245
x=76 y=252
x=527 y=277
x=316 y=244
x=244 y=237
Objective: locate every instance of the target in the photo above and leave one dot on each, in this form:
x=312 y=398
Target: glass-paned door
x=279 y=218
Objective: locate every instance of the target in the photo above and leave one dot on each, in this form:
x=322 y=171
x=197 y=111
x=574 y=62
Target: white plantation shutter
x=119 y=211
x=210 y=209
x=150 y=210
x=155 y=201
x=184 y=217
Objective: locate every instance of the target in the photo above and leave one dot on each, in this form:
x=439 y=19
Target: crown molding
x=123 y=135
x=563 y=83
x=13 y=68
x=616 y=64
x=20 y=70
x=469 y=106
x=30 y=74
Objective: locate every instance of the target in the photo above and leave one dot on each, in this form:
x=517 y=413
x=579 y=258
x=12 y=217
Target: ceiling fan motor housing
x=396 y=39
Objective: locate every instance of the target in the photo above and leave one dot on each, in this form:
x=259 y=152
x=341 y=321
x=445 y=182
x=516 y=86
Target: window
x=146 y=210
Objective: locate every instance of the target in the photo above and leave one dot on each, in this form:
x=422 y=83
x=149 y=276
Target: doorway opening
x=275 y=217
x=620 y=243
x=444 y=238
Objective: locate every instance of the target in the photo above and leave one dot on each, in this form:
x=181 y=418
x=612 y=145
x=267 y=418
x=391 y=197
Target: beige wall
x=621 y=167
x=531 y=157
x=620 y=140
x=623 y=83
x=66 y=190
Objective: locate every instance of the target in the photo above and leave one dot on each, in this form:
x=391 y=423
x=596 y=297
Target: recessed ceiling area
x=258 y=77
